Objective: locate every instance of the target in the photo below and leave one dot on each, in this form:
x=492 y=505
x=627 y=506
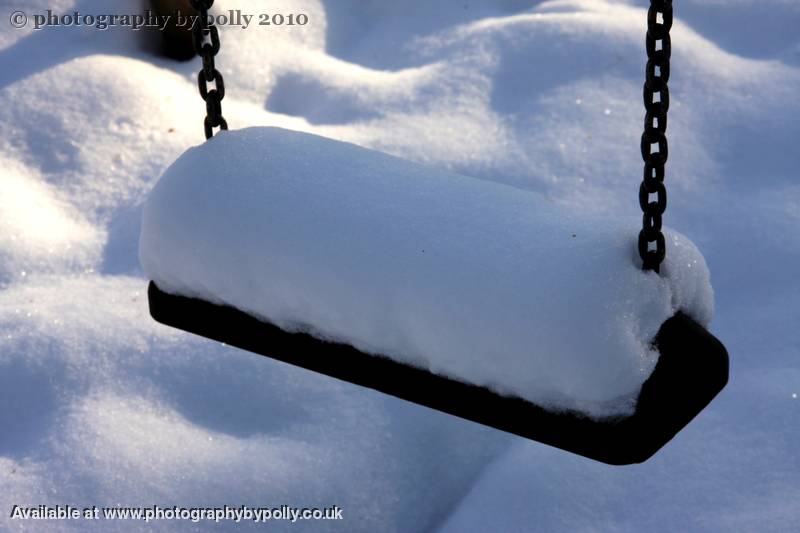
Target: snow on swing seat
x=477 y=281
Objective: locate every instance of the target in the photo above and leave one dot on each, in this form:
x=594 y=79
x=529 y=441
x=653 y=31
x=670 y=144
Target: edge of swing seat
x=691 y=370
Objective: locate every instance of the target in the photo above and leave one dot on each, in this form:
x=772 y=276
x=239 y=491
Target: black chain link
x=659 y=49
x=209 y=73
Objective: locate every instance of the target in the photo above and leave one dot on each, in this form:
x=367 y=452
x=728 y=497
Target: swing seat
x=466 y=296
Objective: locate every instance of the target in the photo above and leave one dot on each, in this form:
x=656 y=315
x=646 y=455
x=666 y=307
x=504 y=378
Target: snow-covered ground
x=101 y=406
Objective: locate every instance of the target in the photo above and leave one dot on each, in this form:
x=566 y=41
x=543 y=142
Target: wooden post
x=176 y=41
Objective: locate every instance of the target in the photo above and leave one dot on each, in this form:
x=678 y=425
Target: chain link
x=209 y=73
x=659 y=49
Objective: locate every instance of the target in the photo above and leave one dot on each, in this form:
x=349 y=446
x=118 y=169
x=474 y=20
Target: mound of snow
x=100 y=405
x=475 y=280
x=98 y=398
x=39 y=232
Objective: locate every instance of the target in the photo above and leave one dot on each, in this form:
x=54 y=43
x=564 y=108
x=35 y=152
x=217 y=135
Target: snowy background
x=99 y=405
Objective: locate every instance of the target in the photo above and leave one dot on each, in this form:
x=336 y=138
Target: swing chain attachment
x=209 y=73
x=659 y=22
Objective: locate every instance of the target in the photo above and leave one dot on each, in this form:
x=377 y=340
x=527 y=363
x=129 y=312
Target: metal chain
x=209 y=73
x=659 y=49
x=659 y=22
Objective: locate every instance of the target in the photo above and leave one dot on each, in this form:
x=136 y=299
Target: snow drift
x=100 y=405
x=475 y=280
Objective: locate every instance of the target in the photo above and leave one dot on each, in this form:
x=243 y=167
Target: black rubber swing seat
x=691 y=370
